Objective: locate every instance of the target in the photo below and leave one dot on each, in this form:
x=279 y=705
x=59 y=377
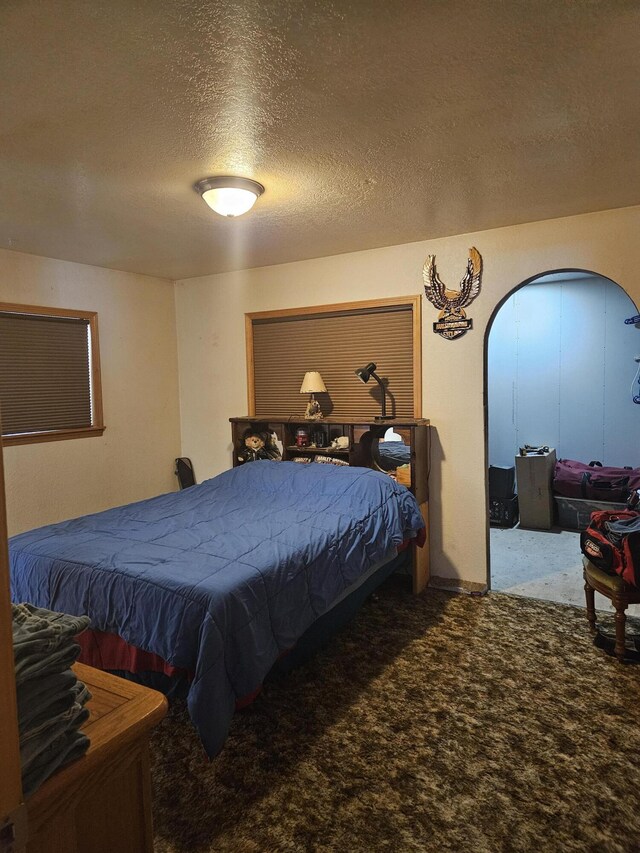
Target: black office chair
x=184 y=472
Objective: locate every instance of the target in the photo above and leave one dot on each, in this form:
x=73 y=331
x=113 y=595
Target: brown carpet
x=432 y=723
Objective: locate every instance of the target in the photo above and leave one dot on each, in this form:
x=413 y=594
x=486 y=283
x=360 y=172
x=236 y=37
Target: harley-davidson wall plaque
x=452 y=321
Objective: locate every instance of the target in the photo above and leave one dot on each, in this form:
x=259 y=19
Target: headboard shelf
x=406 y=459
x=297 y=419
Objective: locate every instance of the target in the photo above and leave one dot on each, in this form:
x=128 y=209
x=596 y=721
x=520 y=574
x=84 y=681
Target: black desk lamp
x=364 y=374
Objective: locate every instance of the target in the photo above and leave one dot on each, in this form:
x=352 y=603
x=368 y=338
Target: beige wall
x=134 y=458
x=210 y=322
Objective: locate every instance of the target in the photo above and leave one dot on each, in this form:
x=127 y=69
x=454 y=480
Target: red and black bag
x=594 y=481
x=612 y=543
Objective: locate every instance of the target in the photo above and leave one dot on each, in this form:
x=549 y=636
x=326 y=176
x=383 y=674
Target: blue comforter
x=220 y=578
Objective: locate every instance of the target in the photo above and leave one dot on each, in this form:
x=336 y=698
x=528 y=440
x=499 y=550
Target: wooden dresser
x=101 y=803
x=361 y=440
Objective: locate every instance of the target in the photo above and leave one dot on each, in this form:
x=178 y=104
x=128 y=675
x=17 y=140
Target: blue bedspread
x=220 y=578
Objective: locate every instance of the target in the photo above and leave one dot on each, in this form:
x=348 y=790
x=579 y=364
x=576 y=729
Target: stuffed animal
x=257 y=445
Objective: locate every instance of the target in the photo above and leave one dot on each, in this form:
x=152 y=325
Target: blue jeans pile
x=51 y=700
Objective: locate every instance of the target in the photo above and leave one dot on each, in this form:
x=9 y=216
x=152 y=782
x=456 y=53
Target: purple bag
x=594 y=482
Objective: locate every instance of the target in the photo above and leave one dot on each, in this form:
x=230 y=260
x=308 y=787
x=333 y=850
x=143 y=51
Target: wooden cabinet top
x=121 y=712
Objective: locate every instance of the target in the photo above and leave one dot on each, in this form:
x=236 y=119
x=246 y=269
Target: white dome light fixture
x=229 y=196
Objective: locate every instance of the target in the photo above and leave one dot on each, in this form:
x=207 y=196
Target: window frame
x=95 y=376
x=413 y=301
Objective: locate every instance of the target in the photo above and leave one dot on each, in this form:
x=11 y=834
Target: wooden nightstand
x=101 y=803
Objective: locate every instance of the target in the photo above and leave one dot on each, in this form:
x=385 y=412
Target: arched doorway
x=559 y=368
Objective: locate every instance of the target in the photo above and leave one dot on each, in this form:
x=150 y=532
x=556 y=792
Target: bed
x=221 y=579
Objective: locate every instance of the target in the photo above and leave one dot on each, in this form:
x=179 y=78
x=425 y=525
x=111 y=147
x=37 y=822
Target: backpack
x=184 y=472
x=612 y=543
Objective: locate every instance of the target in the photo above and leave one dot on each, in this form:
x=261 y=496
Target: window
x=335 y=340
x=49 y=374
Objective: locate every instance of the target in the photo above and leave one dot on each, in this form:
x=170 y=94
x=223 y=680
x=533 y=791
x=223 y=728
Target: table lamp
x=313 y=384
x=364 y=374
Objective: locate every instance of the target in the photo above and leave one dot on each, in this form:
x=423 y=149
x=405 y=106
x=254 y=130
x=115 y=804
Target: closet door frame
x=12 y=809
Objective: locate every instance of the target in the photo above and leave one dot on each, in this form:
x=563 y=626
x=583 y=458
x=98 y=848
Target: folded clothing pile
x=51 y=699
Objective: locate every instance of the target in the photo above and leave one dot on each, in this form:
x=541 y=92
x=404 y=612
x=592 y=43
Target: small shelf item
x=331 y=460
x=302 y=437
x=326 y=451
x=257 y=444
x=313 y=384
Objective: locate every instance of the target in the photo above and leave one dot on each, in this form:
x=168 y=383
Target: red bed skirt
x=108 y=651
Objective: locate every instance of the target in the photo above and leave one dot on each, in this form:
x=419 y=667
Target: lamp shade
x=365 y=373
x=312 y=383
x=229 y=196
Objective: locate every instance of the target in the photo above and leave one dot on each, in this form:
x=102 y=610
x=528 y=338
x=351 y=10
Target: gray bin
x=575 y=513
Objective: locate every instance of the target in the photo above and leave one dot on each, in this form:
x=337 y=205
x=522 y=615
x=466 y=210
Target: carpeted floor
x=432 y=723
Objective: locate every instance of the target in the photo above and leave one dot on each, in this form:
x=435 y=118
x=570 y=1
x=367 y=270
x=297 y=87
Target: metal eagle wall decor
x=452 y=321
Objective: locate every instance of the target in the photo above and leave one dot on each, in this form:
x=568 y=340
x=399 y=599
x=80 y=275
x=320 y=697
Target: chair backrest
x=184 y=472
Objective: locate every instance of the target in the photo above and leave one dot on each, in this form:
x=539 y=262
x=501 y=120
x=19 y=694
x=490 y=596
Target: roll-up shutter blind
x=45 y=373
x=335 y=344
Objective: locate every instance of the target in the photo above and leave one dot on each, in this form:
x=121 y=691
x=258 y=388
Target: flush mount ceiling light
x=229 y=196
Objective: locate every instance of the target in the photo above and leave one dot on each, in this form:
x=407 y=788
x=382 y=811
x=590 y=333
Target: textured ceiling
x=369 y=123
